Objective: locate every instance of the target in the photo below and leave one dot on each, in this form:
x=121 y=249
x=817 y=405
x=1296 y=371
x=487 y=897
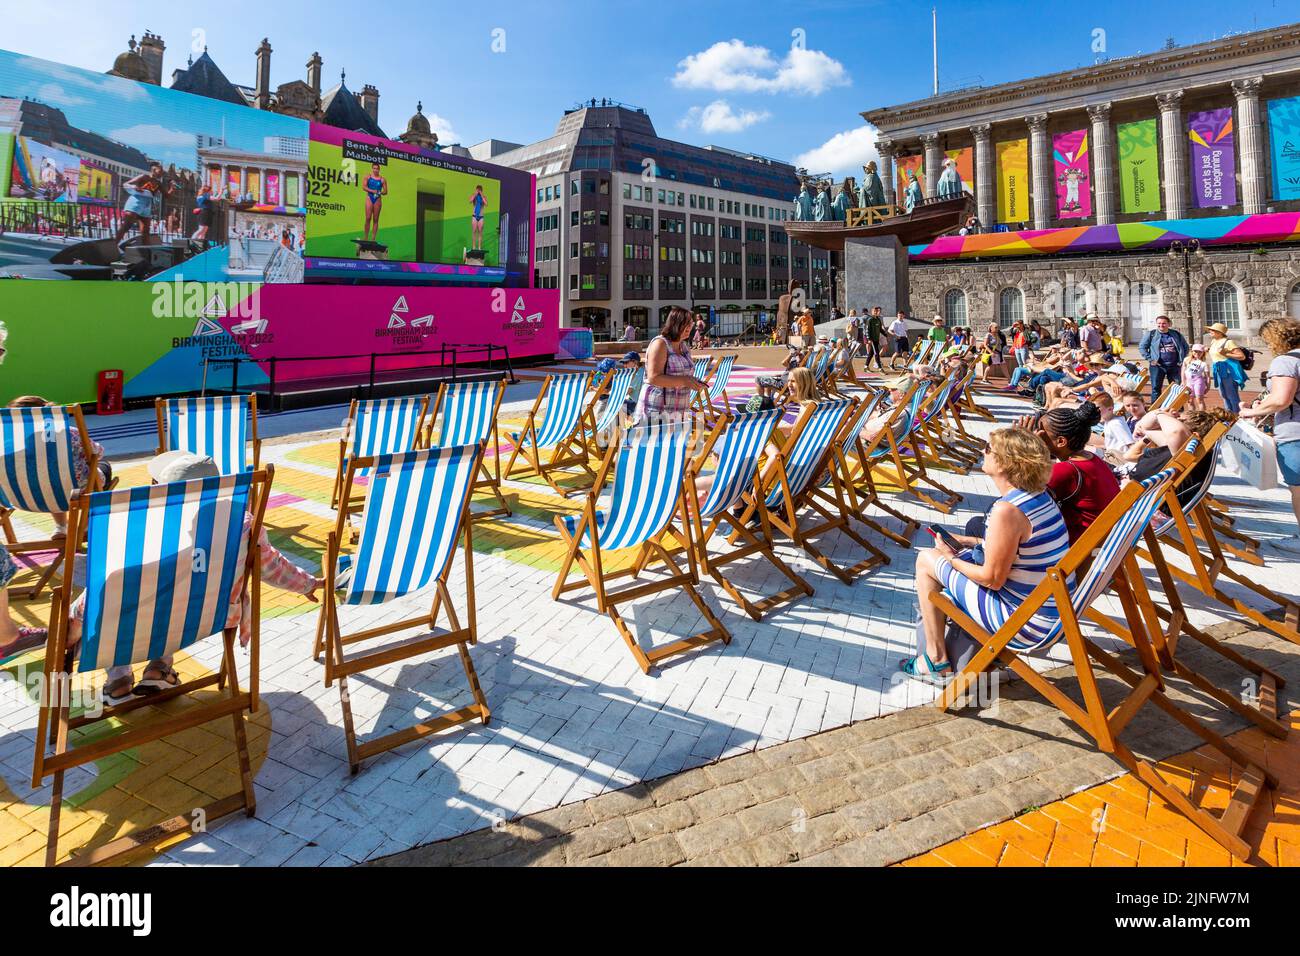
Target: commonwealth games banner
x=1214 y=164
x=1070 y=156
x=914 y=163
x=1139 y=166
x=1284 y=133
x=1013 y=180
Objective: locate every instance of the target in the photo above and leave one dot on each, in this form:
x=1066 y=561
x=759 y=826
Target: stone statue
x=843 y=202
x=949 y=181
x=873 y=191
x=803 y=204
x=912 y=195
x=822 y=213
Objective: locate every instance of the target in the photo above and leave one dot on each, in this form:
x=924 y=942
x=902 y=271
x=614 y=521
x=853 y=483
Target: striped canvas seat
x=564 y=394
x=1171 y=398
x=161 y=563
x=37 y=467
x=1131 y=383
x=807 y=457
x=721 y=376
x=468 y=413
x=647 y=483
x=738 y=443
x=702 y=366
x=616 y=393
x=216 y=426
x=649 y=463
x=166 y=567
x=409 y=525
x=416 y=514
x=858 y=484
x=385 y=426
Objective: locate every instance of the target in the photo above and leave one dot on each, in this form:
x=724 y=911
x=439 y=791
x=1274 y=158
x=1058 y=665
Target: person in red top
x=1082 y=483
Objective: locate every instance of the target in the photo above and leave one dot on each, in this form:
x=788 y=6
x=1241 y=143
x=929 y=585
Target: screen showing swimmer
x=377 y=207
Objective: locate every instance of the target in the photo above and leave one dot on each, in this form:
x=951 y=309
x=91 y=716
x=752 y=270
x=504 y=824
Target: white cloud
x=735 y=66
x=151 y=136
x=844 y=154
x=443 y=127
x=719 y=117
x=55 y=95
x=97 y=83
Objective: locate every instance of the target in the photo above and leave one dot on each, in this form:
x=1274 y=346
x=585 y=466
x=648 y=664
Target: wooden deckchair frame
x=338 y=500
x=860 y=483
x=10 y=537
x=1165 y=641
x=932 y=440
x=754 y=543
x=814 y=498
x=489 y=479
x=331 y=639
x=909 y=474
x=588 y=419
x=702 y=401
x=607 y=600
x=54 y=722
x=1105 y=725
x=568 y=453
x=160 y=409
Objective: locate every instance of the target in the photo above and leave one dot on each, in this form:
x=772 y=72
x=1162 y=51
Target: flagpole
x=934 y=36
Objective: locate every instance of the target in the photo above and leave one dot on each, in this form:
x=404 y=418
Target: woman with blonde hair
x=990 y=577
x=1282 y=336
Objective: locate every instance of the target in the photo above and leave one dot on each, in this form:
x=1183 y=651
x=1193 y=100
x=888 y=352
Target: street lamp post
x=1187 y=249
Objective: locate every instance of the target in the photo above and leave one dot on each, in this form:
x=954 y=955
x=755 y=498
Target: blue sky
x=786 y=80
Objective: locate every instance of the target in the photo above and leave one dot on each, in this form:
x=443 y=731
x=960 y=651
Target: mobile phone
x=944 y=536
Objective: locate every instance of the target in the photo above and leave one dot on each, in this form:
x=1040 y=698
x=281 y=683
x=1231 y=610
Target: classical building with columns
x=1236 y=80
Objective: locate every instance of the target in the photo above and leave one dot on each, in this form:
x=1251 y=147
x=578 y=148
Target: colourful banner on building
x=1013 y=180
x=965 y=160
x=1152 y=236
x=1139 y=166
x=904 y=164
x=1071 y=165
x=1214 y=164
x=1284 y=134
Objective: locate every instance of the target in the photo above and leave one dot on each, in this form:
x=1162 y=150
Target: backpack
x=1248 y=362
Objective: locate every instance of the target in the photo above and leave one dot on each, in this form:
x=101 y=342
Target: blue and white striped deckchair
x=1173 y=398
x=924 y=354
x=167 y=566
x=379 y=427
x=908 y=461
x=647 y=494
x=702 y=366
x=798 y=471
x=1131 y=383
x=219 y=427
x=1108 y=543
x=38 y=475
x=561 y=431
x=738 y=443
x=469 y=416
x=416 y=513
x=607 y=408
x=716 y=400
x=858 y=484
x=931 y=440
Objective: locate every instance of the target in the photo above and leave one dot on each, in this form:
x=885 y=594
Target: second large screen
x=378 y=208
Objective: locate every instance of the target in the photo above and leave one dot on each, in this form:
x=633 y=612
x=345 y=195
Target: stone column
x=1251 y=136
x=1040 y=161
x=933 y=163
x=1103 y=164
x=986 y=187
x=885 y=147
x=1173 y=149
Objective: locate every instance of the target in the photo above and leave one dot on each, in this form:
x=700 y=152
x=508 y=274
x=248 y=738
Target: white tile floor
x=572 y=716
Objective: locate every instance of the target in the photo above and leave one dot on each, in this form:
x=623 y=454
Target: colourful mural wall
x=1124 y=237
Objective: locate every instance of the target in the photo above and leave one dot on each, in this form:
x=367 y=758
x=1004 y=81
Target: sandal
x=937 y=674
x=118 y=691
x=148 y=686
x=29 y=638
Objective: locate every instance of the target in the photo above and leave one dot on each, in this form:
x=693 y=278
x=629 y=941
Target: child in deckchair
x=14 y=639
x=80 y=467
x=1025 y=536
x=277 y=571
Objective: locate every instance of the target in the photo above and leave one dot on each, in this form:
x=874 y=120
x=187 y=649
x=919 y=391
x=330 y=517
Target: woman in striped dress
x=669 y=382
x=1025 y=536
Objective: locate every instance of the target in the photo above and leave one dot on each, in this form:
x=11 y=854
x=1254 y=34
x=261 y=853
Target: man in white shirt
x=902 y=347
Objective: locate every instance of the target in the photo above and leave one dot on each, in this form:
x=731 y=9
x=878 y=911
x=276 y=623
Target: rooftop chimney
x=151 y=48
x=313 y=73
x=262 y=88
x=369 y=97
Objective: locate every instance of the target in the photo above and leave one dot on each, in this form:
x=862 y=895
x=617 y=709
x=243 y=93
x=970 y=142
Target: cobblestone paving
x=886 y=790
x=572 y=715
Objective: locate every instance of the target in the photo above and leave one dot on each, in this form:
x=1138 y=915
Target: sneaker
x=29 y=638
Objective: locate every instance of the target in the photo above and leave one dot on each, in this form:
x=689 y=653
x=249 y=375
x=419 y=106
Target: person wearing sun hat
x=277 y=571
x=1227 y=368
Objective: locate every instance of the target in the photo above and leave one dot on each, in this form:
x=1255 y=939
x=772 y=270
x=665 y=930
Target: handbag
x=1251 y=455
